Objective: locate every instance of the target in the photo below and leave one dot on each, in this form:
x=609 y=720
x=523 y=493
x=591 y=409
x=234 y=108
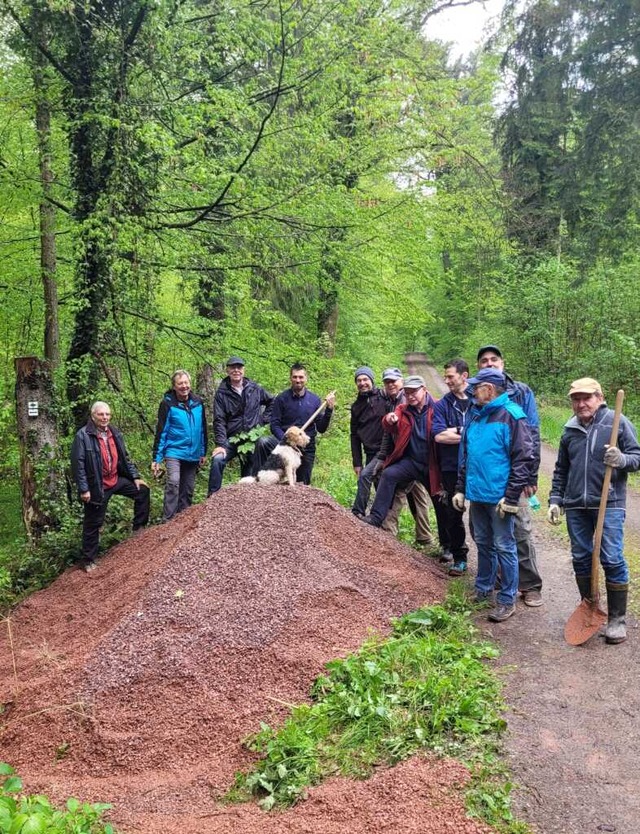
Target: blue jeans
x=496 y=543
x=581 y=525
x=396 y=476
x=365 y=480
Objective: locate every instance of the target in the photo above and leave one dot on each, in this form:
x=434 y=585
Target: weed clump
x=425 y=687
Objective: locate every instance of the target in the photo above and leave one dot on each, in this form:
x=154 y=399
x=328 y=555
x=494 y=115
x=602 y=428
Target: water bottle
x=534 y=503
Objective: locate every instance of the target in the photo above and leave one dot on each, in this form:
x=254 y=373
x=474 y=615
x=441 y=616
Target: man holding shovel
x=585 y=452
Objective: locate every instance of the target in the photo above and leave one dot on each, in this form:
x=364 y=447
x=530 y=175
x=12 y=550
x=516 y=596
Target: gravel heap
x=137 y=683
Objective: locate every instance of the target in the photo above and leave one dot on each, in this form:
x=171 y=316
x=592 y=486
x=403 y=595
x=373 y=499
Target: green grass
x=425 y=688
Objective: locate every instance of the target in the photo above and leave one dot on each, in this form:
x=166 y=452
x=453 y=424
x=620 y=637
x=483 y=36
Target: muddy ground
x=574 y=712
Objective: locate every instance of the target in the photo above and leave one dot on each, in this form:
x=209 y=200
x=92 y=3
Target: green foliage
x=426 y=687
x=23 y=814
x=246 y=440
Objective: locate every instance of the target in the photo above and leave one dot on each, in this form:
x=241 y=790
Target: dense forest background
x=310 y=181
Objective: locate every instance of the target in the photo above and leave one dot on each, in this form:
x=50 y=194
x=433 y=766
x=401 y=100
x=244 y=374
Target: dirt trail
x=574 y=712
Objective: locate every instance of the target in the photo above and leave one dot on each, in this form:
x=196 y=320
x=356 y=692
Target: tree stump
x=38 y=437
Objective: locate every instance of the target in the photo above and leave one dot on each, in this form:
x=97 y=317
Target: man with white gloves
x=497 y=449
x=576 y=487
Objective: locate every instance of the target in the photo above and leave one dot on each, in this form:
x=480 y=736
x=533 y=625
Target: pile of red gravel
x=137 y=683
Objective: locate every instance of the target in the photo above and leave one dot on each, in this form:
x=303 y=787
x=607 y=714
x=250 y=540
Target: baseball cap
x=391 y=373
x=234 y=360
x=585 y=385
x=488 y=348
x=489 y=375
x=414 y=382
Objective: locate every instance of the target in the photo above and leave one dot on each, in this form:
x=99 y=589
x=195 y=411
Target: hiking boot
x=88 y=565
x=457 y=569
x=532 y=598
x=369 y=519
x=446 y=557
x=501 y=613
x=482 y=597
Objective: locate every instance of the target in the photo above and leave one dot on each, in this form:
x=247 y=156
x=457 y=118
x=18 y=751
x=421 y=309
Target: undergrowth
x=22 y=814
x=425 y=687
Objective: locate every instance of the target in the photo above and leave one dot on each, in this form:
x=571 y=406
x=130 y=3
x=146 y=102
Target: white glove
x=503 y=508
x=553 y=514
x=458 y=502
x=614 y=457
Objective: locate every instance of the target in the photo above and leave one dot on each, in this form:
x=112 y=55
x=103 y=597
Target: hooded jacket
x=181 y=431
x=497 y=450
x=579 y=471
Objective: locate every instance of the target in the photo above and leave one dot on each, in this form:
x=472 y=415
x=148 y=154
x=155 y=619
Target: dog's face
x=294 y=436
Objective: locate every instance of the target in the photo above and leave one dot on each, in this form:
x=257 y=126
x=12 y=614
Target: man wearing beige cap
x=575 y=490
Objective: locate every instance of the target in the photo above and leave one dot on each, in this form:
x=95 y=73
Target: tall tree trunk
x=37 y=434
x=47 y=210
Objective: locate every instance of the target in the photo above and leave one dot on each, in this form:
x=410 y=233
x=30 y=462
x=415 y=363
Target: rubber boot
x=584 y=586
x=616 y=630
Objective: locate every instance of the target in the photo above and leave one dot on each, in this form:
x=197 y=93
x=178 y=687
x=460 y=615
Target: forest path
x=573 y=712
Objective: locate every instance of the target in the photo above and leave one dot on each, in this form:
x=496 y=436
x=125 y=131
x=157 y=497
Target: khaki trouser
x=420 y=510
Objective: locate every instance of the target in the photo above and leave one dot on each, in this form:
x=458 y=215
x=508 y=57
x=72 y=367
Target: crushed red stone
x=137 y=683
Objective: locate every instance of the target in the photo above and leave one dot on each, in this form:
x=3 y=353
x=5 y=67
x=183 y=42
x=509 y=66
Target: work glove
x=458 y=502
x=503 y=508
x=553 y=514
x=614 y=457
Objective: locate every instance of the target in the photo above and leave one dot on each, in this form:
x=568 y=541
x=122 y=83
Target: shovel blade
x=585 y=621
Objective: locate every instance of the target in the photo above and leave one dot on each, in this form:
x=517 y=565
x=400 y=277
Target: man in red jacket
x=413 y=457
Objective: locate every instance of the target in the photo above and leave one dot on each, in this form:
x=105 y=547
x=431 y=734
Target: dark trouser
x=178 y=491
x=266 y=445
x=94 y=514
x=529 y=576
x=451 y=532
x=365 y=481
x=398 y=475
x=219 y=462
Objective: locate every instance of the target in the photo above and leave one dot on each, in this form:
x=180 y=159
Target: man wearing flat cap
x=530 y=581
x=495 y=463
x=413 y=457
x=366 y=434
x=576 y=486
x=240 y=404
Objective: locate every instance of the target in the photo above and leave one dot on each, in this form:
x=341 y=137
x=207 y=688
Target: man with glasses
x=495 y=464
x=530 y=581
x=413 y=457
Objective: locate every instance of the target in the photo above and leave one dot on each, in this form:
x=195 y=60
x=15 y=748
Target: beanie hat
x=365 y=371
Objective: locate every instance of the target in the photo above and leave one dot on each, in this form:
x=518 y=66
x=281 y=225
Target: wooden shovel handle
x=317 y=411
x=604 y=495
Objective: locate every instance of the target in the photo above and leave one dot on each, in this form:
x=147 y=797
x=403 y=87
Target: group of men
x=479 y=443
x=102 y=468
x=426 y=443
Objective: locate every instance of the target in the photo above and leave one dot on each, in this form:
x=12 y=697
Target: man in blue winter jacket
x=181 y=442
x=578 y=477
x=529 y=581
x=495 y=466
